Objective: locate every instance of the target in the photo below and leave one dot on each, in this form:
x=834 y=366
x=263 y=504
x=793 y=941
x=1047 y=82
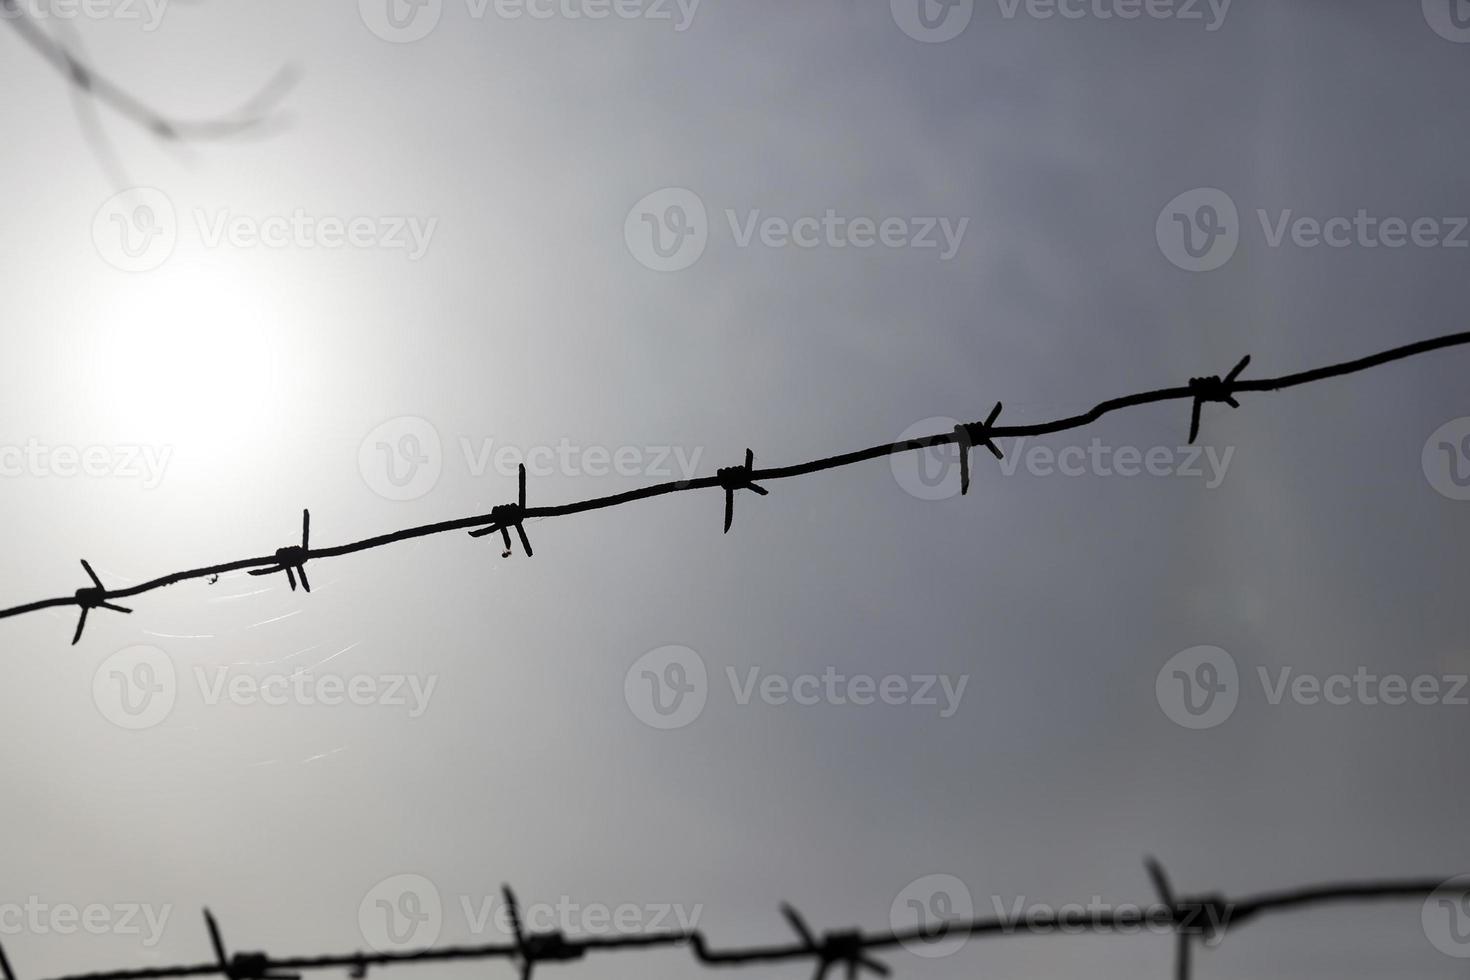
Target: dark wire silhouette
x=1193 y=919
x=508 y=516
x=92 y=598
x=87 y=80
x=292 y=560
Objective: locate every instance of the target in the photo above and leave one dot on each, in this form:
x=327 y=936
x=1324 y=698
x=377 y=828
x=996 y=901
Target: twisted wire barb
x=508 y=516
x=502 y=519
x=1202 y=919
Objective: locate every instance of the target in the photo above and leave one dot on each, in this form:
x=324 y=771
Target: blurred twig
x=69 y=60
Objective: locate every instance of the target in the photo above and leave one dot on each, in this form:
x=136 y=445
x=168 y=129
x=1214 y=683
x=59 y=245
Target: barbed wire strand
x=502 y=519
x=1194 y=920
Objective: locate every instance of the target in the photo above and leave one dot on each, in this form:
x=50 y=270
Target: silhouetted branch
x=107 y=92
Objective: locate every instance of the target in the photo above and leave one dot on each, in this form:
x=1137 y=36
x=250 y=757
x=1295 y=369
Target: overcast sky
x=442 y=261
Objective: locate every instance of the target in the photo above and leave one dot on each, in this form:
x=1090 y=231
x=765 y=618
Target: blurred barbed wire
x=1191 y=919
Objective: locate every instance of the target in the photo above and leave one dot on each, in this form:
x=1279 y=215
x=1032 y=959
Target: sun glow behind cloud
x=192 y=355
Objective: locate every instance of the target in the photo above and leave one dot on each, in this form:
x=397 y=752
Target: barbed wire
x=512 y=516
x=1202 y=919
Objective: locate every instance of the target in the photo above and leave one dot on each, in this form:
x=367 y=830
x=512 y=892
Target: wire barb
x=846 y=948
x=967 y=436
x=1213 y=389
x=92 y=597
x=292 y=560
x=550 y=947
x=242 y=966
x=507 y=516
x=5 y=972
x=1202 y=917
x=732 y=478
